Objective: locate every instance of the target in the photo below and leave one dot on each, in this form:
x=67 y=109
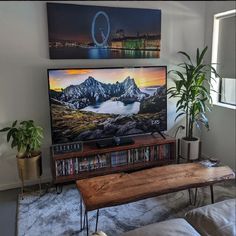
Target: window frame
x=220 y=90
x=217 y=82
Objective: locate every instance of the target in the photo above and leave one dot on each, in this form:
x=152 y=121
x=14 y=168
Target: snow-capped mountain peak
x=92 y=91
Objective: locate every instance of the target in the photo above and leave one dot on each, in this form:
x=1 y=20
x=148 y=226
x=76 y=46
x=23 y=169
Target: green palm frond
x=193 y=97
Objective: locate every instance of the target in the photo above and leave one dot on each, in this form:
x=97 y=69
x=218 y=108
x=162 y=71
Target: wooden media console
x=146 y=151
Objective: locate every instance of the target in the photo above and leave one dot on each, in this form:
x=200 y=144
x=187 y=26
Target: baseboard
x=45 y=179
x=205 y=156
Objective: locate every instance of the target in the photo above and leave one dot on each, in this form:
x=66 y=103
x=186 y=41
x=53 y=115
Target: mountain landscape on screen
x=95 y=109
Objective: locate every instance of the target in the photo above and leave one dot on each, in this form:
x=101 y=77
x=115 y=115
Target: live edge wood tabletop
x=121 y=188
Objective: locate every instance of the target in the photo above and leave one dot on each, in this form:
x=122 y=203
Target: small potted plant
x=27 y=138
x=193 y=98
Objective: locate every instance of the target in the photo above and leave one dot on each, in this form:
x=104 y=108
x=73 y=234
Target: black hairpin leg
x=87 y=224
x=212 y=194
x=195 y=197
x=190 y=197
x=96 y=226
x=84 y=219
x=189 y=194
x=81 y=214
x=82 y=223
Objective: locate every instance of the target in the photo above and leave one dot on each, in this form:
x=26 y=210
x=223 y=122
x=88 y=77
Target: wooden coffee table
x=116 y=189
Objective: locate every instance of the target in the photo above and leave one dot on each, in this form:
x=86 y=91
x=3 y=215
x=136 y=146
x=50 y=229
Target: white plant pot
x=194 y=148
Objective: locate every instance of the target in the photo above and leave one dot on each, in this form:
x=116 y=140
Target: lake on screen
x=114 y=107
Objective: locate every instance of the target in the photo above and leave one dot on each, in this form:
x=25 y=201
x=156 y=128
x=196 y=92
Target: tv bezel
x=98 y=68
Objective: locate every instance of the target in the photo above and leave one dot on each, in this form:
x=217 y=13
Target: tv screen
x=89 y=104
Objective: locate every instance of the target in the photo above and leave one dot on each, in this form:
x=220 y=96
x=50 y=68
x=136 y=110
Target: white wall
x=220 y=141
x=24 y=61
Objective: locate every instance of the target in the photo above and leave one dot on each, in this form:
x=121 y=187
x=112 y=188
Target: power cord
x=180 y=127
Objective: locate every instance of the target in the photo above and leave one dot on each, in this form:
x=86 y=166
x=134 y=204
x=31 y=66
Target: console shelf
x=146 y=151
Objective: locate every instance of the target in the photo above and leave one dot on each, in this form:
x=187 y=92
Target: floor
x=8 y=210
x=8 y=206
x=59 y=214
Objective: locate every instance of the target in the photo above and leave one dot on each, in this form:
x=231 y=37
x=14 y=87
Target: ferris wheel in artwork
x=100 y=29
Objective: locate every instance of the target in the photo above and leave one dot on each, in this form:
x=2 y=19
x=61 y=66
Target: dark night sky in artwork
x=73 y=22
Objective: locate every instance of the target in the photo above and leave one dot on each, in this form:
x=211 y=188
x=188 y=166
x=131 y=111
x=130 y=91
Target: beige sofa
x=212 y=220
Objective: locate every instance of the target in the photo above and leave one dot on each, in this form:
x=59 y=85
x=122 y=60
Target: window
x=223 y=54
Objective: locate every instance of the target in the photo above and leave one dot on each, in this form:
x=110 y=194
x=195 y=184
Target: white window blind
x=227 y=93
x=226 y=47
x=223 y=58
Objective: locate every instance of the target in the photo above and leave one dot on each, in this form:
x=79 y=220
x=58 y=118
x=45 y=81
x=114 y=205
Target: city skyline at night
x=103 y=32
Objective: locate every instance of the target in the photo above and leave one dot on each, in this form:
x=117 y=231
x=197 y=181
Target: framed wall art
x=97 y=32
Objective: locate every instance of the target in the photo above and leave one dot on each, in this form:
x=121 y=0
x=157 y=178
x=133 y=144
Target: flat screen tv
x=88 y=104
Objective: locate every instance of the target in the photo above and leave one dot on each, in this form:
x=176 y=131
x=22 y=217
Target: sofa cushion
x=216 y=219
x=172 y=227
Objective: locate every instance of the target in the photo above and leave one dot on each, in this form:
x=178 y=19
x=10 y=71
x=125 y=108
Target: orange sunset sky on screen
x=144 y=77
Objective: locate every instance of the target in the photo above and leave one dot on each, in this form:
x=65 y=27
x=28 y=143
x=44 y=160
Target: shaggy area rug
x=58 y=214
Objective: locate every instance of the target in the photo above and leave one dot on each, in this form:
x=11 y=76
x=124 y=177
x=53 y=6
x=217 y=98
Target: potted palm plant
x=27 y=138
x=193 y=98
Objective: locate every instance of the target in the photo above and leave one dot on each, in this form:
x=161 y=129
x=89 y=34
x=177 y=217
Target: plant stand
x=188 y=151
x=30 y=169
x=189 y=160
x=23 y=186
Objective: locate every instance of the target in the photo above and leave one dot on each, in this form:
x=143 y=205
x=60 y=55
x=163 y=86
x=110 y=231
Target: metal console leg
x=59 y=188
x=212 y=194
x=96 y=226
